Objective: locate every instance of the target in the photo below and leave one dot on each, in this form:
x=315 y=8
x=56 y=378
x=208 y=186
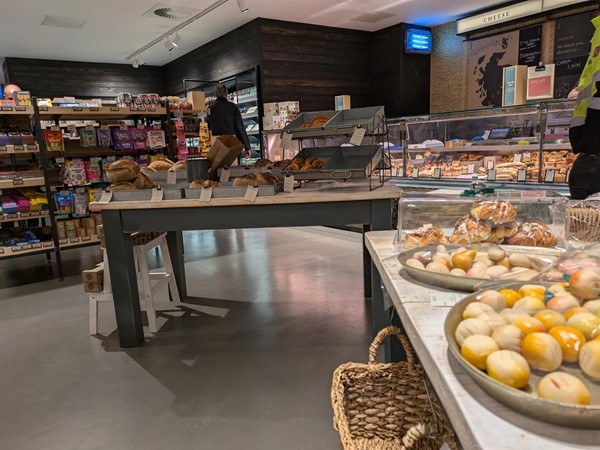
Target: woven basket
x=388 y=406
x=584 y=224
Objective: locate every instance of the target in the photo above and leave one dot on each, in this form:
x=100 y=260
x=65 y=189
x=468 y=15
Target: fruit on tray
x=493 y=263
x=510 y=332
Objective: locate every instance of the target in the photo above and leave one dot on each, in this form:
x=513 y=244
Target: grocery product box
x=342 y=102
x=197 y=100
x=93 y=280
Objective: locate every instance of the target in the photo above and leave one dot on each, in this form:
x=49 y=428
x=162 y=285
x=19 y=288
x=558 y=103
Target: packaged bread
x=122 y=170
x=161 y=164
x=122 y=186
x=143 y=181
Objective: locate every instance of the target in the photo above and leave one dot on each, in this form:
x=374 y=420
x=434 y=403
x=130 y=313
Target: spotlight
x=243 y=5
x=169 y=44
x=176 y=40
x=138 y=61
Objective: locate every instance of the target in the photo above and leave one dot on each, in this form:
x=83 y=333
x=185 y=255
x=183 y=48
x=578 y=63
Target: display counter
x=479 y=420
x=317 y=203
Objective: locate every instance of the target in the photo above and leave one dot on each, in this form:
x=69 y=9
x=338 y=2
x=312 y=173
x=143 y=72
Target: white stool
x=145 y=286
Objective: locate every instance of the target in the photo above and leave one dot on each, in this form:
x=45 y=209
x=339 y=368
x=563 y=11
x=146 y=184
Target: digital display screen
x=418 y=41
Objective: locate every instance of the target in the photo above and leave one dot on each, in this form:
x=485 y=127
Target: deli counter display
x=524 y=146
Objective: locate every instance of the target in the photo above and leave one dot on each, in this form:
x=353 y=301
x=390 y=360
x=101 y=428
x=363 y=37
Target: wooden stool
x=148 y=283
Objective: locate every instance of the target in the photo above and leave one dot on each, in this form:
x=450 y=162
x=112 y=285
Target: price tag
x=16 y=249
x=471 y=168
x=157 y=195
x=24 y=215
x=111 y=158
x=225 y=174
x=490 y=165
x=151 y=109
x=206 y=194
x=518 y=158
x=94 y=108
x=286 y=141
x=114 y=108
x=415 y=173
x=36 y=246
x=73 y=240
x=20 y=108
x=568 y=175
x=89 y=127
x=141 y=126
x=77 y=108
x=437 y=173
x=63 y=241
x=85 y=238
x=491 y=175
x=55 y=128
x=106 y=197
x=144 y=157
x=171 y=177
x=17 y=181
x=549 y=176
x=156 y=126
x=19 y=148
x=522 y=175
x=7 y=108
x=43 y=108
x=26 y=247
x=288 y=183
x=59 y=160
x=47 y=244
x=123 y=127
x=3 y=148
x=1 y=251
x=32 y=147
x=444 y=299
x=251 y=194
x=527 y=155
x=104 y=127
x=358 y=136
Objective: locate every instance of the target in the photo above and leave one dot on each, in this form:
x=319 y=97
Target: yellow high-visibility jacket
x=585 y=124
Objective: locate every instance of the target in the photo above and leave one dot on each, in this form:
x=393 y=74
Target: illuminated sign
x=417 y=41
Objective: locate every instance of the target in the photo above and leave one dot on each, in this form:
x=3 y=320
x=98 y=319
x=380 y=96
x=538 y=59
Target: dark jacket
x=225 y=118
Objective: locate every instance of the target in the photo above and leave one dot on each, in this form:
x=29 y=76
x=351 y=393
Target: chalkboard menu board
x=571 y=49
x=530 y=46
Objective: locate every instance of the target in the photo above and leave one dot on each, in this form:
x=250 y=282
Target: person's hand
x=573 y=94
x=248 y=153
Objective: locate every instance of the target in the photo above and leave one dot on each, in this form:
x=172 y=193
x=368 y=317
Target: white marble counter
x=479 y=420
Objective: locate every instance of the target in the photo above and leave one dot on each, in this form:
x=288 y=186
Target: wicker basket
x=388 y=406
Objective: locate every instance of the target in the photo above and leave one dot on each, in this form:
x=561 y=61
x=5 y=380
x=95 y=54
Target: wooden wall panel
x=51 y=78
x=224 y=57
x=313 y=64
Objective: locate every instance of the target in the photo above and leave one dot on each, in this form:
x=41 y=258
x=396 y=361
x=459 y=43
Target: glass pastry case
x=524 y=146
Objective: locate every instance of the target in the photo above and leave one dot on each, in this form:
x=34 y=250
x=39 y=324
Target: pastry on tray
x=469 y=230
x=427 y=234
x=533 y=234
x=496 y=211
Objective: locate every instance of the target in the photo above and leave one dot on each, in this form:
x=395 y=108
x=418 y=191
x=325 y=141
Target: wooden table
x=319 y=203
x=479 y=420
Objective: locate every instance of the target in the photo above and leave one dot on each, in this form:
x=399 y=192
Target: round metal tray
x=465 y=284
x=525 y=400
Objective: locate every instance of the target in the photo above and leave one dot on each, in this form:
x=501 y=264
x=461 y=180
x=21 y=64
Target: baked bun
x=533 y=234
x=427 y=234
x=293 y=166
x=263 y=163
x=143 y=181
x=122 y=170
x=503 y=231
x=179 y=165
x=310 y=160
x=497 y=211
x=299 y=161
x=204 y=183
x=469 y=230
x=318 y=163
x=161 y=164
x=122 y=186
x=258 y=179
x=307 y=166
x=282 y=163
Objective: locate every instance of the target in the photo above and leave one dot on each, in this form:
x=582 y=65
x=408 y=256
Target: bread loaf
x=179 y=165
x=122 y=186
x=161 y=164
x=258 y=179
x=143 y=181
x=122 y=170
x=204 y=183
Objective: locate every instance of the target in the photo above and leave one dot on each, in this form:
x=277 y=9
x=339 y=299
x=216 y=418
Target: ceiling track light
x=169 y=44
x=176 y=39
x=182 y=25
x=243 y=5
x=138 y=61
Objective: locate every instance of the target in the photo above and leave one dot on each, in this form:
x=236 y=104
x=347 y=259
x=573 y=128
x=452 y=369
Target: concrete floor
x=246 y=364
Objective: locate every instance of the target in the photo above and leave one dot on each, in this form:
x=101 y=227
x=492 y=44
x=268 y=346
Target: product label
x=251 y=194
x=3 y=148
x=549 y=176
x=206 y=194
x=522 y=175
x=225 y=174
x=437 y=173
x=491 y=175
x=77 y=108
x=358 y=136
x=157 y=195
x=415 y=173
x=106 y=197
x=171 y=177
x=471 y=168
x=568 y=176
x=288 y=183
x=94 y=108
x=286 y=141
x=518 y=158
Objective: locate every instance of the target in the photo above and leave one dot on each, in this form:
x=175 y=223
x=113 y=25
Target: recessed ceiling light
x=64 y=22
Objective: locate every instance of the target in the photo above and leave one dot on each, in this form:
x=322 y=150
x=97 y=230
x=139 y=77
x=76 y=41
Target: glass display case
x=526 y=146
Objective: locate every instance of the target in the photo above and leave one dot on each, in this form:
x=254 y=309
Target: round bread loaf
x=122 y=170
x=179 y=165
x=263 y=163
x=143 y=181
x=122 y=186
x=160 y=165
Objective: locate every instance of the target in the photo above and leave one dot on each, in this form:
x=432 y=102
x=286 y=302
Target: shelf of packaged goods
x=492 y=148
x=18 y=182
x=16 y=110
x=25 y=149
x=83 y=152
x=71 y=243
x=448 y=183
x=26 y=250
x=5 y=218
x=76 y=112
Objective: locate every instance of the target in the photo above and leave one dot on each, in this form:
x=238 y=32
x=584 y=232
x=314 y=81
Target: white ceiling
x=116 y=28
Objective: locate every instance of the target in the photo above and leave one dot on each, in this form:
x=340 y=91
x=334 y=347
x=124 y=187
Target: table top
x=479 y=420
x=314 y=192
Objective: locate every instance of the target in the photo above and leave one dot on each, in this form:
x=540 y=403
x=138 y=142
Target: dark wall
x=313 y=64
x=400 y=81
x=228 y=55
x=51 y=78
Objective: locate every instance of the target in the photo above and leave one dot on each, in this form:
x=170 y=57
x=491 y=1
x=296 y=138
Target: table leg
x=119 y=249
x=175 y=243
x=366 y=264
